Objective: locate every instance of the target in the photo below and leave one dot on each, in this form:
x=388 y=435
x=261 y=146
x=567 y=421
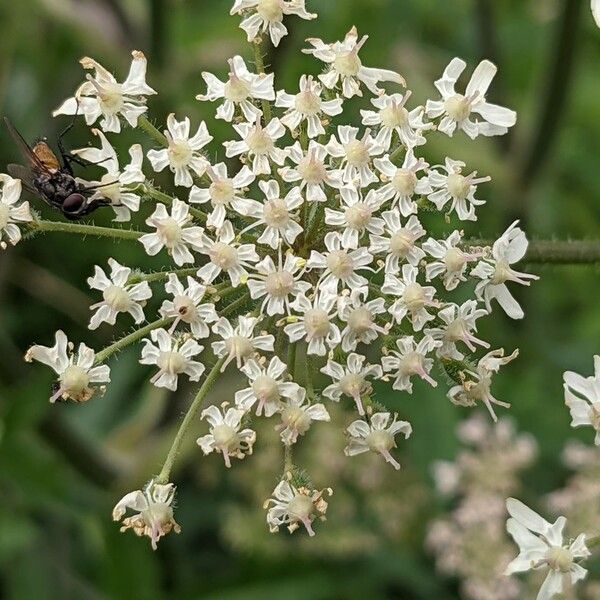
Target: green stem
x=235 y=305
x=291 y=360
x=160 y=196
x=133 y=337
x=288 y=462
x=152 y=132
x=260 y=67
x=80 y=228
x=215 y=372
x=160 y=275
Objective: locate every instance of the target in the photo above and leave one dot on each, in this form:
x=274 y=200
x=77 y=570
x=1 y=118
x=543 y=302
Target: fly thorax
x=347 y=64
x=401 y=243
x=458 y=107
x=458 y=186
x=357 y=153
x=266 y=389
x=414 y=296
x=117 y=298
x=405 y=182
x=380 y=441
x=270 y=10
x=170 y=230
x=308 y=103
x=172 y=363
x=454 y=260
x=394 y=116
x=279 y=284
x=224 y=256
x=316 y=323
x=221 y=192
x=276 y=213
x=74 y=380
x=360 y=320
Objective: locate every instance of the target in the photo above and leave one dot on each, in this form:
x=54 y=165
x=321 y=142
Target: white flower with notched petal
x=458 y=323
x=541 y=546
x=495 y=271
x=276 y=283
x=182 y=156
x=356 y=154
x=10 y=212
x=267 y=387
x=173 y=232
x=275 y=214
x=173 y=356
x=116 y=184
x=476 y=385
x=582 y=396
x=315 y=323
x=413 y=298
x=297 y=415
x=238 y=91
x=226 y=255
x=392 y=116
x=102 y=96
x=154 y=508
x=293 y=506
x=401 y=184
x=596 y=11
x=267 y=16
x=187 y=306
x=457 y=109
x=452 y=186
x=307 y=106
x=258 y=143
x=411 y=359
x=117 y=296
x=451 y=260
x=226 y=435
x=360 y=319
x=78 y=378
x=311 y=171
x=240 y=342
x=357 y=215
x=376 y=436
x=224 y=192
x=345 y=65
x=399 y=243
x=351 y=380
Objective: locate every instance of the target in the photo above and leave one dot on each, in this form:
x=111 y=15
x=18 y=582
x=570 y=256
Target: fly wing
x=32 y=160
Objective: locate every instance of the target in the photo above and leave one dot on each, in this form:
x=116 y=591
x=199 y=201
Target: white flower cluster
x=303 y=252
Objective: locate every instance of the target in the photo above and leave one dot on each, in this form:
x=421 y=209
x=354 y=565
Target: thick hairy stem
x=260 y=67
x=215 y=372
x=149 y=129
x=161 y=275
x=82 y=229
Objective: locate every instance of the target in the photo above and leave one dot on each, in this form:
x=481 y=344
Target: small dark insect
x=52 y=179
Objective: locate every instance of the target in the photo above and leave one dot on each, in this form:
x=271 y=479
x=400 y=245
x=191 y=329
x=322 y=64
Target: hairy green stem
x=260 y=67
x=161 y=196
x=152 y=132
x=84 y=229
x=160 y=275
x=215 y=372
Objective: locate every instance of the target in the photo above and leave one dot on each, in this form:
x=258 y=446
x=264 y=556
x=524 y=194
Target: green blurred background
x=63 y=467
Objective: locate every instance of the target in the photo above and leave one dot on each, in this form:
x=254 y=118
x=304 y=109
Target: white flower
x=494 y=272
x=117 y=296
x=476 y=385
x=351 y=380
x=154 y=508
x=454 y=187
x=226 y=435
x=356 y=154
x=339 y=265
x=276 y=214
x=360 y=318
x=307 y=106
x=458 y=323
x=411 y=359
x=596 y=11
x=76 y=371
x=277 y=283
x=311 y=170
x=400 y=184
x=297 y=415
x=187 y=306
x=116 y=184
x=258 y=143
x=226 y=255
x=315 y=324
x=399 y=242
x=173 y=357
x=357 y=215
x=238 y=91
x=413 y=297
x=292 y=506
x=10 y=212
x=376 y=436
x=392 y=116
x=267 y=15
x=541 y=546
x=223 y=192
x=239 y=343
x=452 y=260
x=267 y=387
x=456 y=109
x=582 y=396
x=183 y=153
x=101 y=95
x=344 y=64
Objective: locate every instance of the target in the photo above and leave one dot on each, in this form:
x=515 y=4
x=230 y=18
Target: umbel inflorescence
x=300 y=262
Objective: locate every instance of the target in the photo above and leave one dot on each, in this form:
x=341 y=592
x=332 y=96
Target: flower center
x=74 y=380
x=236 y=89
x=458 y=107
x=110 y=98
x=454 y=260
x=458 y=186
x=360 y=320
x=340 y=264
x=455 y=331
x=401 y=243
x=404 y=182
x=559 y=559
x=4 y=215
x=270 y=10
x=380 y=441
x=224 y=256
x=411 y=364
x=276 y=213
x=394 y=116
x=308 y=103
x=225 y=436
x=239 y=346
x=279 y=284
x=170 y=231
x=295 y=418
x=312 y=170
x=158 y=515
x=502 y=272
x=357 y=153
x=414 y=297
x=352 y=384
x=358 y=216
x=259 y=142
x=300 y=507
x=185 y=308
x=266 y=389
x=316 y=323
x=180 y=154
x=347 y=64
x=117 y=298
x=171 y=362
x=221 y=191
